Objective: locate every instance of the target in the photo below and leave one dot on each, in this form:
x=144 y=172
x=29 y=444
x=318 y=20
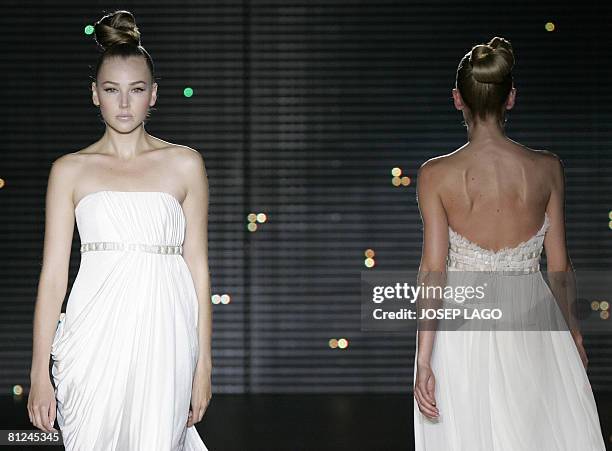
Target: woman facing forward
x=491 y=206
x=132 y=353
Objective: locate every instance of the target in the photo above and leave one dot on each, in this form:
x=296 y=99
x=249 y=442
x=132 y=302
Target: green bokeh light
x=187 y=92
x=89 y=29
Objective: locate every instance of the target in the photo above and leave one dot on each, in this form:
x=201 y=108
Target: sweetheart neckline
x=503 y=249
x=127 y=192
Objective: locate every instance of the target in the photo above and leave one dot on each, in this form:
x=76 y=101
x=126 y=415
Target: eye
x=114 y=89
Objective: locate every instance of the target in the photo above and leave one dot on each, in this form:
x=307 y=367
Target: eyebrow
x=133 y=83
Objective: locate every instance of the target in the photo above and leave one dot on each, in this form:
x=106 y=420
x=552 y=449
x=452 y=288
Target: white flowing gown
x=125 y=351
x=507 y=390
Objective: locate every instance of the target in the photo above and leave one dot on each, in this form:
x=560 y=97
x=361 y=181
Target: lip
x=124 y=117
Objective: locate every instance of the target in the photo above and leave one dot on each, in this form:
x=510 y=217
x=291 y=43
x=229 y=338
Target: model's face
x=124 y=92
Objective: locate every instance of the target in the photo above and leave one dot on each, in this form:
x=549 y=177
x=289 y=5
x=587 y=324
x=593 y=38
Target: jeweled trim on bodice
x=466 y=255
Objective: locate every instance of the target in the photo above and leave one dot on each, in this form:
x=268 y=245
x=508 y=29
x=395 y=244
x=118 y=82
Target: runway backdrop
x=301 y=110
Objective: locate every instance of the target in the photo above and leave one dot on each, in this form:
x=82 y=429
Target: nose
x=125 y=100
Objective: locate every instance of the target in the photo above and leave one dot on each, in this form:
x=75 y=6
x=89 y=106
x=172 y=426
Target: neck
x=124 y=146
x=489 y=130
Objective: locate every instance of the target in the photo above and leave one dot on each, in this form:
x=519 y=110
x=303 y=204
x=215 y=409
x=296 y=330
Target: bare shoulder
x=539 y=155
x=188 y=159
x=549 y=157
x=190 y=164
x=550 y=163
x=433 y=172
x=66 y=167
x=64 y=176
x=186 y=153
x=75 y=160
x=435 y=165
x=553 y=166
x=64 y=162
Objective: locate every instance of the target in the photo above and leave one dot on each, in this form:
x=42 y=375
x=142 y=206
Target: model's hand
x=578 y=340
x=201 y=392
x=424 y=390
x=41 y=404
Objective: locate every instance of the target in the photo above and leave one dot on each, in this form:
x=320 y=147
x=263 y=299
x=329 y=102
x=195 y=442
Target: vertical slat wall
x=301 y=109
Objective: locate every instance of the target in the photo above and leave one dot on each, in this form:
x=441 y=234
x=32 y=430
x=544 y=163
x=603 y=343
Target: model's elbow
x=53 y=280
x=559 y=265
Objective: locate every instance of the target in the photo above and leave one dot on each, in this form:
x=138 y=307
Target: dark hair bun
x=492 y=62
x=116 y=28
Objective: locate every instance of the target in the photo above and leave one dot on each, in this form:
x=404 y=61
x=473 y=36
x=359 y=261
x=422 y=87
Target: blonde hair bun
x=116 y=28
x=492 y=62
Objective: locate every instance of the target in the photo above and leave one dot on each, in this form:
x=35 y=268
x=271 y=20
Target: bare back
x=495 y=196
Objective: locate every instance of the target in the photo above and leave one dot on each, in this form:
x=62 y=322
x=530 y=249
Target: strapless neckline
x=477 y=247
x=95 y=193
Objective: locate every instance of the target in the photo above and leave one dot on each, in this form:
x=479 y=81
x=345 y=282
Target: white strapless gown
x=507 y=390
x=125 y=351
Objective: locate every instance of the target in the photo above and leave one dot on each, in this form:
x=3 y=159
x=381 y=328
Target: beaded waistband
x=117 y=245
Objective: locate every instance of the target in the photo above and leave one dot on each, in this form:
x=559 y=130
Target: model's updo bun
x=492 y=62
x=484 y=78
x=117 y=28
x=117 y=35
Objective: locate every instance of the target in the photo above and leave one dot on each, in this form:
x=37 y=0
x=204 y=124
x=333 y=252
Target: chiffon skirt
x=509 y=390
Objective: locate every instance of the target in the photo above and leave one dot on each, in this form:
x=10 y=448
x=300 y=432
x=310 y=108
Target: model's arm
x=558 y=264
x=432 y=269
x=432 y=273
x=52 y=285
x=195 y=253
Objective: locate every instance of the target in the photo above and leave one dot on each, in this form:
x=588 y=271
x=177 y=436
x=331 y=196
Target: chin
x=124 y=127
x=131 y=123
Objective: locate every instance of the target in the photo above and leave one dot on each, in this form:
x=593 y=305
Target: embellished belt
x=121 y=246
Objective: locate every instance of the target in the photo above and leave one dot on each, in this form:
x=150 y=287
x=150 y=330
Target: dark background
x=301 y=110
